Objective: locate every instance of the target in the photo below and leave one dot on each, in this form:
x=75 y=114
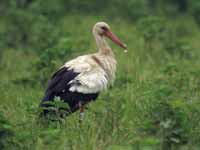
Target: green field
x=153 y=105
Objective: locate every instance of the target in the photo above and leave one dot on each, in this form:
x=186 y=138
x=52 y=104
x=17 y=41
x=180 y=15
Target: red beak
x=115 y=39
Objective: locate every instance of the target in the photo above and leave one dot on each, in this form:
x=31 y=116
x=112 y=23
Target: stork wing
x=91 y=78
x=59 y=82
x=80 y=75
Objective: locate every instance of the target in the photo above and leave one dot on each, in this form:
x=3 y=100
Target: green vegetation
x=154 y=103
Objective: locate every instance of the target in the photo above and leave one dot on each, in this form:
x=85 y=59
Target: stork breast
x=89 y=82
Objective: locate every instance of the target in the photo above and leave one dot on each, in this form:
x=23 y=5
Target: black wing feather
x=59 y=82
x=59 y=86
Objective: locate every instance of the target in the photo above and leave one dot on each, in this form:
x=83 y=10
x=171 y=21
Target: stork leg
x=81 y=116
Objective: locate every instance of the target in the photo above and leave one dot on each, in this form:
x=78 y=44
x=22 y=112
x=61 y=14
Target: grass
x=154 y=103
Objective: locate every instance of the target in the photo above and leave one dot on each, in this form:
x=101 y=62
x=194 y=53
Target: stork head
x=103 y=29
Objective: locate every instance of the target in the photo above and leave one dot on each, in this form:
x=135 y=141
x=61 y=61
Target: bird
x=80 y=80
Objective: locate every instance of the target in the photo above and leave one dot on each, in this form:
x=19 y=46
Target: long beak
x=115 y=39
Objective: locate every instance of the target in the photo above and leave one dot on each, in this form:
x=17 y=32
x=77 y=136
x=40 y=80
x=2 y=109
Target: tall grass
x=154 y=103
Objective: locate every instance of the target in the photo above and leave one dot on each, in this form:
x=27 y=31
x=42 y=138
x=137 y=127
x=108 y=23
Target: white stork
x=80 y=80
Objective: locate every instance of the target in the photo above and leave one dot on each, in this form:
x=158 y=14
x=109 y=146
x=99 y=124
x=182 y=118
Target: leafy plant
x=195 y=10
x=28 y=26
x=50 y=58
x=134 y=9
x=57 y=110
x=166 y=102
x=159 y=36
x=5 y=131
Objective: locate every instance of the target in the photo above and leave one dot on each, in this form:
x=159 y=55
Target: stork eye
x=104 y=28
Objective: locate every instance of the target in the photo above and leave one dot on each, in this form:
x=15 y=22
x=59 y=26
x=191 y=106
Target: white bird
x=80 y=80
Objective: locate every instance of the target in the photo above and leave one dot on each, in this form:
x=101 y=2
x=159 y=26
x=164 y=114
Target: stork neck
x=102 y=45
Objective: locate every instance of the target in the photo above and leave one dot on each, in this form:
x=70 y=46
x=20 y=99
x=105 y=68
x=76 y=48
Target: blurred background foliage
x=154 y=104
x=27 y=23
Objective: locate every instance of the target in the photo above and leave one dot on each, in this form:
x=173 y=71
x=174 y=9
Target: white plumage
x=80 y=80
x=93 y=77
